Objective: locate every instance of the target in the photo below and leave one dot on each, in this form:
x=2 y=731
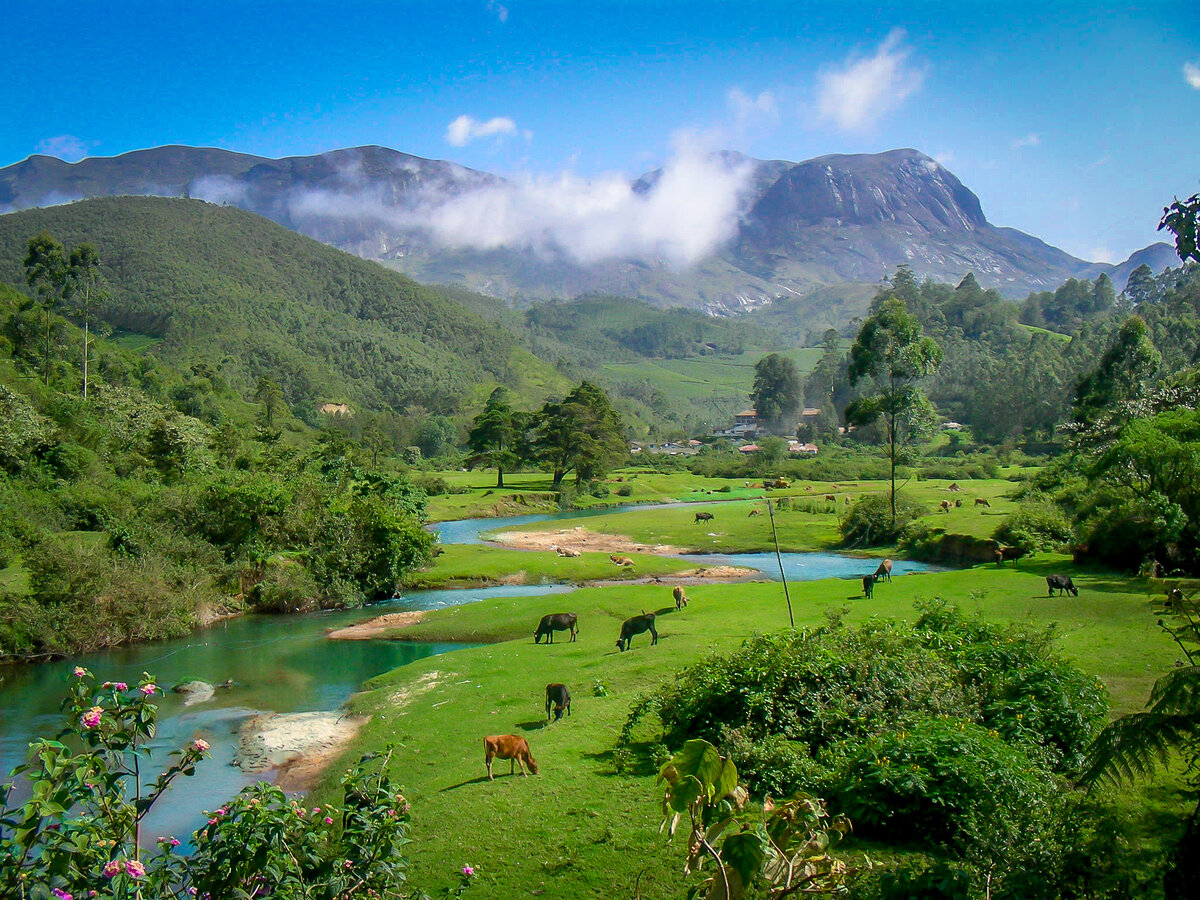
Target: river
x=285 y=663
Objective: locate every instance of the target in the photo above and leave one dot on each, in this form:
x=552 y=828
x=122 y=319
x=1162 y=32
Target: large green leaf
x=744 y=853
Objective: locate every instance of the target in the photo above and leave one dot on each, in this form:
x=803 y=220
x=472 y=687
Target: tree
x=493 y=436
x=270 y=395
x=1122 y=373
x=1182 y=219
x=82 y=274
x=777 y=390
x=47 y=271
x=582 y=432
x=890 y=351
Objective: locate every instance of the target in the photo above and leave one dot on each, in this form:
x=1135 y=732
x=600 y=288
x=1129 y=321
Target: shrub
x=868 y=522
x=624 y=490
x=1038 y=524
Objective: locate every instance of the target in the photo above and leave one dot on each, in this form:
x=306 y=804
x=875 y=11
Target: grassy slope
x=723 y=379
x=580 y=830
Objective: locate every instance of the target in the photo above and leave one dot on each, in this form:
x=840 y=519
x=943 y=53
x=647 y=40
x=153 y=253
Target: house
x=745 y=425
x=748 y=448
x=802 y=449
x=334 y=409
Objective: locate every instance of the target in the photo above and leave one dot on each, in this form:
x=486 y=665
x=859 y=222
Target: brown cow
x=954 y=487
x=831 y=498
x=566 y=551
x=681 y=598
x=754 y=512
x=884 y=572
x=621 y=560
x=944 y=506
x=982 y=501
x=512 y=747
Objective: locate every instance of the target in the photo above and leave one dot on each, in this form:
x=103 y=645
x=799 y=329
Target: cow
x=1174 y=598
x=621 y=560
x=704 y=517
x=957 y=504
x=512 y=747
x=884 y=571
x=566 y=551
x=831 y=498
x=982 y=501
x=636 y=625
x=555 y=622
x=558 y=698
x=681 y=599
x=1007 y=553
x=1060 y=583
x=944 y=506
x=754 y=512
x=954 y=487
x=868 y=586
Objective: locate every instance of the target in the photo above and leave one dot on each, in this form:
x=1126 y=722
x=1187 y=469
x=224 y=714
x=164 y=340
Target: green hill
x=213 y=285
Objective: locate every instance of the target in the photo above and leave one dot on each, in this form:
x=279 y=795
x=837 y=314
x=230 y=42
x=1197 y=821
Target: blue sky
x=1075 y=122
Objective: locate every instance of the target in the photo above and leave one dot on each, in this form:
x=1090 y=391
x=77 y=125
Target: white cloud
x=66 y=147
x=500 y=11
x=691 y=209
x=857 y=94
x=465 y=129
x=1101 y=255
x=1030 y=140
x=1191 y=74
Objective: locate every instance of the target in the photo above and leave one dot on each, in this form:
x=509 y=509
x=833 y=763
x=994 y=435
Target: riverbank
x=298 y=746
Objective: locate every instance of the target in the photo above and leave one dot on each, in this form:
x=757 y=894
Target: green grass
x=720 y=379
x=580 y=830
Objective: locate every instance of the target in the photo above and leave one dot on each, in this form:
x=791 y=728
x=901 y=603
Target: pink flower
x=134 y=869
x=91 y=718
x=468 y=871
x=78 y=672
x=328 y=821
x=112 y=868
x=348 y=864
x=61 y=895
x=316 y=809
x=200 y=745
x=121 y=686
x=148 y=689
x=222 y=811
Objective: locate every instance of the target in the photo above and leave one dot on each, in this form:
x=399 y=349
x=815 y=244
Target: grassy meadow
x=580 y=828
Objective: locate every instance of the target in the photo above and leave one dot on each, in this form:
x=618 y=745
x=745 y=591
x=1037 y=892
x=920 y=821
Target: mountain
x=219 y=287
x=773 y=228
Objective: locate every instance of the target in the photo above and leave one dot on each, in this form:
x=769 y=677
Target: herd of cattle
x=558 y=697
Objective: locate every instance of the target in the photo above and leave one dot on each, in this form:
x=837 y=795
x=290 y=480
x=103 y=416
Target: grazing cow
x=944 y=506
x=621 y=560
x=868 y=586
x=558 y=698
x=884 y=571
x=957 y=504
x=831 y=498
x=1006 y=553
x=681 y=599
x=1060 y=583
x=636 y=625
x=954 y=487
x=808 y=487
x=555 y=622
x=1174 y=598
x=982 y=501
x=754 y=512
x=512 y=747
x=704 y=517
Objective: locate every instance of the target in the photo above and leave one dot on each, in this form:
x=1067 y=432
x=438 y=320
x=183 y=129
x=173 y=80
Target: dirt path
x=578 y=538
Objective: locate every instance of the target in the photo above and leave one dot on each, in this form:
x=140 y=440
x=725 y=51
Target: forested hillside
x=220 y=287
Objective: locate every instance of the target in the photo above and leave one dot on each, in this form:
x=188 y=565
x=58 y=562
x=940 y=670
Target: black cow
x=1004 y=554
x=704 y=517
x=558 y=697
x=555 y=622
x=1060 y=583
x=869 y=586
x=636 y=625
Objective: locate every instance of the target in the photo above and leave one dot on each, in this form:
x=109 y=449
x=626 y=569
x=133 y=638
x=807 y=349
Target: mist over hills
x=718 y=231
